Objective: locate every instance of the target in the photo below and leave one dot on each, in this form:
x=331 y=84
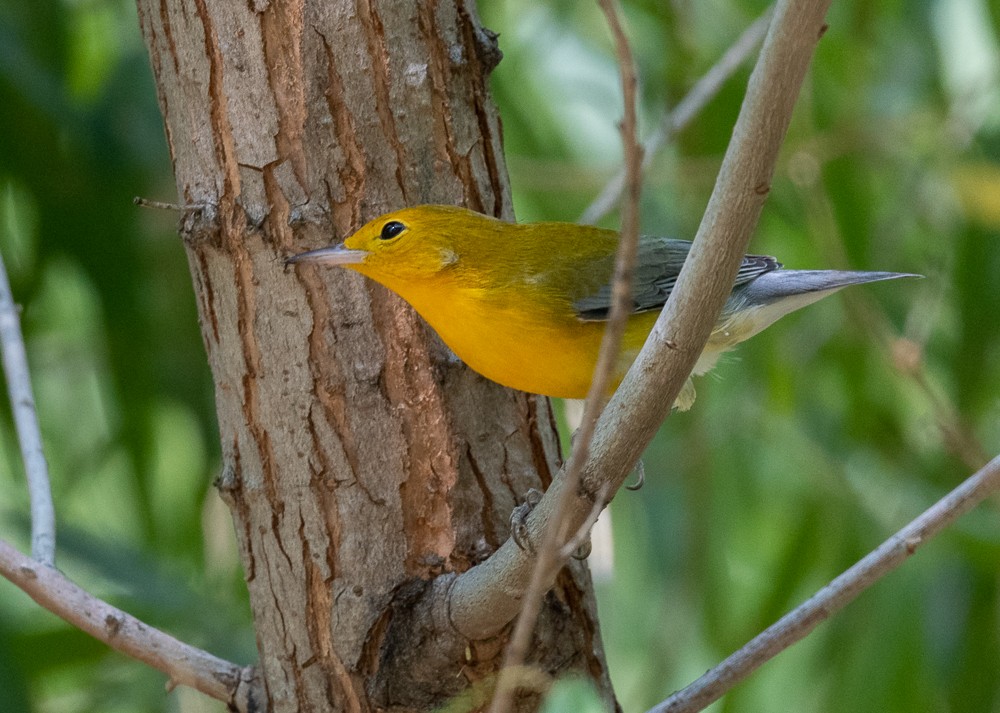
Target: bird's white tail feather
x=781 y=284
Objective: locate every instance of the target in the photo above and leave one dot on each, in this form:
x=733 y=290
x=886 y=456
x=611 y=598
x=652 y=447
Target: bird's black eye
x=392 y=229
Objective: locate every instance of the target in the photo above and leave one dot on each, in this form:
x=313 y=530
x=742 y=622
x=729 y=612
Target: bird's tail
x=786 y=284
x=759 y=304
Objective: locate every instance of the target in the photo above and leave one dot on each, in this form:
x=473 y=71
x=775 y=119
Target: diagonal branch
x=38 y=577
x=645 y=396
x=184 y=664
x=485 y=598
x=29 y=436
x=795 y=625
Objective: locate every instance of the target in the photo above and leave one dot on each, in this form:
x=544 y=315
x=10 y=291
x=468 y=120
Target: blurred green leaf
x=572 y=696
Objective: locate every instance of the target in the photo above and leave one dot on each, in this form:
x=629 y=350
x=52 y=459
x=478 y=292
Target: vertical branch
x=298 y=122
x=640 y=404
x=22 y=403
x=550 y=558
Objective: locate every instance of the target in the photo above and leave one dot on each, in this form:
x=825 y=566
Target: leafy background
x=806 y=448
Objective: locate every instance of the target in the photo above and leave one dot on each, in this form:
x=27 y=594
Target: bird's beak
x=333 y=255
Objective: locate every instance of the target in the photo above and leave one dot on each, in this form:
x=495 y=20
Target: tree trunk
x=362 y=462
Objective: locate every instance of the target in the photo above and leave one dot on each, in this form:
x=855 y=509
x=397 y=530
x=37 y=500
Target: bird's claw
x=640 y=474
x=583 y=551
x=519 y=520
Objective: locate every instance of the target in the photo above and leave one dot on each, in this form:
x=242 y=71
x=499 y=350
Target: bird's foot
x=640 y=476
x=583 y=551
x=519 y=520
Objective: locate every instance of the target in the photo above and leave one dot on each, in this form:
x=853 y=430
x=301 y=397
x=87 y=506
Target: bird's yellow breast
x=507 y=337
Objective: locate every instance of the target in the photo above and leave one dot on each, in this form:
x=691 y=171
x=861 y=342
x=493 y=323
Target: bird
x=526 y=304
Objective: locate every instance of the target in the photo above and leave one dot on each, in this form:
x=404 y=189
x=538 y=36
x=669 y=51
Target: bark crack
x=486 y=512
x=222 y=135
x=485 y=114
x=281 y=32
x=539 y=453
x=371 y=22
x=351 y=172
x=206 y=297
x=168 y=35
x=438 y=66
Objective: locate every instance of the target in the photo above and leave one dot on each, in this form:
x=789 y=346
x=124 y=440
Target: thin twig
x=795 y=625
x=640 y=476
x=582 y=534
x=958 y=438
x=184 y=664
x=907 y=354
x=22 y=402
x=550 y=559
x=38 y=577
x=159 y=205
x=686 y=110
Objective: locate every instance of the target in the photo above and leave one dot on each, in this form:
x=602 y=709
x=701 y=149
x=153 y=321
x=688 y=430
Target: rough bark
x=362 y=462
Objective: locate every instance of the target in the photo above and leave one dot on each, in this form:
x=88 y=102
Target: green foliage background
x=804 y=451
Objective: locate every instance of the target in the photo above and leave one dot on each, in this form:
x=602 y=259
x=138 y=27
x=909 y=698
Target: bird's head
x=406 y=245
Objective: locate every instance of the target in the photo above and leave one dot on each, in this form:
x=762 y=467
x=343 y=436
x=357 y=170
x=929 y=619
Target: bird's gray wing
x=658 y=264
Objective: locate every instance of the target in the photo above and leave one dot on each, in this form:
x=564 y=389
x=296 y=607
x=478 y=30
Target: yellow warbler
x=525 y=304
